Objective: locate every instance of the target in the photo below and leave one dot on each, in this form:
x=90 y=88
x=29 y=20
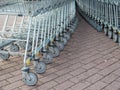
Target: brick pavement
x=90 y=61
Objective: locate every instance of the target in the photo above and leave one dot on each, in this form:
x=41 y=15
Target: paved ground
x=90 y=61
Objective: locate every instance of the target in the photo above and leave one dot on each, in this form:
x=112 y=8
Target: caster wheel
x=47 y=58
x=64 y=40
x=71 y=30
x=67 y=36
x=31 y=79
x=23 y=46
x=106 y=31
x=5 y=56
x=110 y=34
x=55 y=51
x=14 y=48
x=115 y=38
x=40 y=67
x=60 y=45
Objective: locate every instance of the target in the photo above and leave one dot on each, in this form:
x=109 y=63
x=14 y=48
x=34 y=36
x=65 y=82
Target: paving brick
x=75 y=66
x=61 y=61
x=109 y=50
x=113 y=86
x=48 y=78
x=106 y=63
x=97 y=86
x=117 y=56
x=50 y=71
x=47 y=85
x=89 y=65
x=63 y=78
x=117 y=72
x=107 y=56
x=74 y=61
x=52 y=89
x=99 y=61
x=63 y=71
x=92 y=58
x=110 y=69
x=3 y=83
x=16 y=72
x=78 y=78
x=6 y=76
x=94 y=78
x=13 y=79
x=77 y=71
x=13 y=85
x=8 y=70
x=91 y=72
x=64 y=85
x=81 y=85
x=8 y=65
x=118 y=79
x=25 y=87
x=109 y=78
x=84 y=57
x=62 y=66
x=84 y=75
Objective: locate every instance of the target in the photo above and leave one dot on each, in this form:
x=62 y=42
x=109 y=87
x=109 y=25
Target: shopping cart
x=103 y=15
x=116 y=21
x=36 y=30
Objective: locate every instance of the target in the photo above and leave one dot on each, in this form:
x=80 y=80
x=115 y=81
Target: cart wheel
x=110 y=34
x=115 y=38
x=71 y=30
x=55 y=51
x=40 y=67
x=23 y=46
x=106 y=31
x=60 y=45
x=64 y=40
x=32 y=80
x=67 y=36
x=14 y=48
x=5 y=56
x=47 y=58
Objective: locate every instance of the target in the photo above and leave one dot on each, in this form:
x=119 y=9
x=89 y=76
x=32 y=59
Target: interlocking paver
x=113 y=86
x=110 y=69
x=81 y=85
x=64 y=85
x=77 y=71
x=117 y=72
x=109 y=78
x=5 y=76
x=47 y=85
x=13 y=85
x=89 y=65
x=3 y=83
x=97 y=86
x=106 y=63
x=94 y=78
x=48 y=78
x=63 y=78
x=14 y=79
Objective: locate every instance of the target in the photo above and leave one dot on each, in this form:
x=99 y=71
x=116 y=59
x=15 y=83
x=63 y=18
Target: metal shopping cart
x=36 y=30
